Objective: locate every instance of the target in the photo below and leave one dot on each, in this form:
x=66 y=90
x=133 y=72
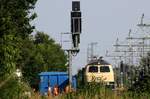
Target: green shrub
x=142 y=86
x=14 y=89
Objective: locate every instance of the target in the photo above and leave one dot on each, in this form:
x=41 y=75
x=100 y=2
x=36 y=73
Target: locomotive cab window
x=93 y=69
x=104 y=69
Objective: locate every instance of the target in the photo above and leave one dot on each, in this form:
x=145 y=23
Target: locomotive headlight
x=107 y=83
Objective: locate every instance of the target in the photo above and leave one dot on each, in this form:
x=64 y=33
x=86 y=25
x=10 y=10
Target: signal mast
x=75 y=32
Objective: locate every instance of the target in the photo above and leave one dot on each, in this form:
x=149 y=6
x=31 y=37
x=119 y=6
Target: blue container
x=54 y=78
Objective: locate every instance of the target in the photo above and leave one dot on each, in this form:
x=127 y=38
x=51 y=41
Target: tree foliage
x=42 y=54
x=14 y=26
x=143 y=83
x=18 y=49
x=9 y=54
x=12 y=89
x=15 y=17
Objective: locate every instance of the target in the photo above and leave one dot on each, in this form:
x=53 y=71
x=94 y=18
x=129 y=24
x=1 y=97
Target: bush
x=14 y=89
x=142 y=85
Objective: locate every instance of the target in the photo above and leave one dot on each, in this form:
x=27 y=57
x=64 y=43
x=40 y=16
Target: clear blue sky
x=102 y=21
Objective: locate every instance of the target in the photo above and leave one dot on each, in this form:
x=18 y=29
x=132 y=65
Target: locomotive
x=99 y=71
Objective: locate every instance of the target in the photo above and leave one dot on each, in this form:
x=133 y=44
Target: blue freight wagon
x=51 y=79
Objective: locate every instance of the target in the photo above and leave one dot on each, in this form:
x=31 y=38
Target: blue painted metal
x=54 y=78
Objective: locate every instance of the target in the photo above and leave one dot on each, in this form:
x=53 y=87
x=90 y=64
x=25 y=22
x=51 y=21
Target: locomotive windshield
x=104 y=69
x=93 y=69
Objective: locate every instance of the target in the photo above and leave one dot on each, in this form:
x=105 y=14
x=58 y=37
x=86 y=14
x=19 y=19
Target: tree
x=18 y=49
x=143 y=83
x=14 y=27
x=42 y=54
x=15 y=18
x=54 y=57
x=9 y=54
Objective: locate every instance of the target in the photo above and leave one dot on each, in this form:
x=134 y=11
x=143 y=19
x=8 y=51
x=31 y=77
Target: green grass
x=95 y=91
